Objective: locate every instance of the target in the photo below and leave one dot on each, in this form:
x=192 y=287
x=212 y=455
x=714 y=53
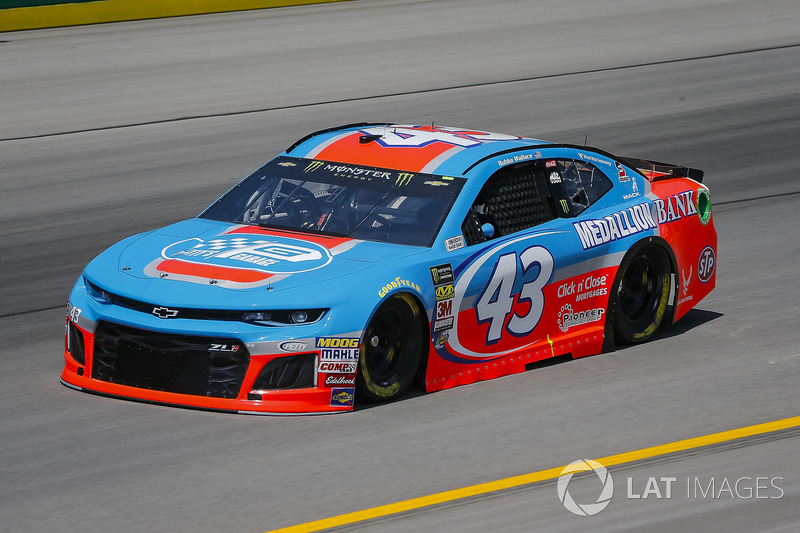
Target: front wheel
x=391 y=350
x=641 y=293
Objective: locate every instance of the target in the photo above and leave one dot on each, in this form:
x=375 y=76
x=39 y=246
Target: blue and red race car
x=369 y=256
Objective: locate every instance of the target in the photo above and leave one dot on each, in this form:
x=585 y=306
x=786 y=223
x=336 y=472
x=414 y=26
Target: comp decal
x=270 y=254
x=338 y=367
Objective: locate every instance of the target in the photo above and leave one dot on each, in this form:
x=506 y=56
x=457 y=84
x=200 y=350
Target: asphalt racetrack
x=110 y=130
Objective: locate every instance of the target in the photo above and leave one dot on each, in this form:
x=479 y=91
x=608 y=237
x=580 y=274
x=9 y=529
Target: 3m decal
x=337 y=367
x=496 y=301
x=706 y=264
x=337 y=348
x=275 y=255
x=342 y=397
x=454 y=243
x=675 y=207
x=340 y=380
x=631 y=221
x=444 y=309
x=444 y=292
x=568 y=318
x=442 y=274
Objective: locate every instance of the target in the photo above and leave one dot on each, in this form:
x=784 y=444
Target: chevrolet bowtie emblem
x=165 y=312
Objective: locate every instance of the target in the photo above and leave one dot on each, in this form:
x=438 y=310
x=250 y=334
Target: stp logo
x=706 y=264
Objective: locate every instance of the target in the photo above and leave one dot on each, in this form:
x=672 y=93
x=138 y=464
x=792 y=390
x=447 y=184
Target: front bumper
x=203 y=364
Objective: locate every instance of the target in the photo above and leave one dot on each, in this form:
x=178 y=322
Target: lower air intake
x=184 y=364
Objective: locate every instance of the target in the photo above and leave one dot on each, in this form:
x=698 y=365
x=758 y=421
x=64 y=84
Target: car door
x=515 y=292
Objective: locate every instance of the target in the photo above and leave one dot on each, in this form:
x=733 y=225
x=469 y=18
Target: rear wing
x=655 y=171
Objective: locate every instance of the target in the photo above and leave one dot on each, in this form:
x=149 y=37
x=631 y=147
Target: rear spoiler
x=655 y=171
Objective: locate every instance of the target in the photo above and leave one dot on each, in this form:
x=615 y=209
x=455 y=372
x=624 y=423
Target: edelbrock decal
x=262 y=253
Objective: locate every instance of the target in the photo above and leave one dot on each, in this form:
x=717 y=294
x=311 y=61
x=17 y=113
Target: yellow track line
x=63 y=13
x=533 y=477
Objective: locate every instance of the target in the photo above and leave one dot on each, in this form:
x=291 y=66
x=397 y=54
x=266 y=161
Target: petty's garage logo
x=270 y=254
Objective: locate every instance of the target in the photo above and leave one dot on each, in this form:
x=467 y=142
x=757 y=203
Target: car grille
x=185 y=364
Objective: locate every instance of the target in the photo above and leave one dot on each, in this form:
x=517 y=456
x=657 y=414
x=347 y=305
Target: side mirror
x=488 y=230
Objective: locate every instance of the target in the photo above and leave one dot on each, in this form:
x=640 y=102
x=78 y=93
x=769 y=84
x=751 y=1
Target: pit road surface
x=111 y=130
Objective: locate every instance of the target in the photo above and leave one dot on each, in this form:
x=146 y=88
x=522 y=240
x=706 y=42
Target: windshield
x=338 y=199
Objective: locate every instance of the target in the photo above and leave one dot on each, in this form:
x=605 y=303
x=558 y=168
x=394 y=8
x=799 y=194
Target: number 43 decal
x=497 y=300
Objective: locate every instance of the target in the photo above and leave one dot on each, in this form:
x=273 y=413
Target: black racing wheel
x=641 y=294
x=391 y=350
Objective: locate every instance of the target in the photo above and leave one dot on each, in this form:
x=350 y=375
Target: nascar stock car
x=370 y=256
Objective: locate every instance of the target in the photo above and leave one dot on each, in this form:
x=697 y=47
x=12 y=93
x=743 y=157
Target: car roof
x=415 y=148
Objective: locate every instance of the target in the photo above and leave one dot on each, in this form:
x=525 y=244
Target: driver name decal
x=272 y=254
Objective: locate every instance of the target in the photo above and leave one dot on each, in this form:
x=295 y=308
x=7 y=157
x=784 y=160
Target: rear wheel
x=641 y=294
x=391 y=350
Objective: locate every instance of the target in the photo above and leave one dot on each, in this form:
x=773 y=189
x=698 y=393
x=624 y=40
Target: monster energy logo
x=404 y=178
x=314 y=165
x=564 y=205
x=442 y=274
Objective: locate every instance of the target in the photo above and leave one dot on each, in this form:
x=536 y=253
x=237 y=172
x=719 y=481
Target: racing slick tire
x=641 y=294
x=391 y=350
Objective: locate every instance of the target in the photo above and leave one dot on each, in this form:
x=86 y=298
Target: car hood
x=206 y=264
